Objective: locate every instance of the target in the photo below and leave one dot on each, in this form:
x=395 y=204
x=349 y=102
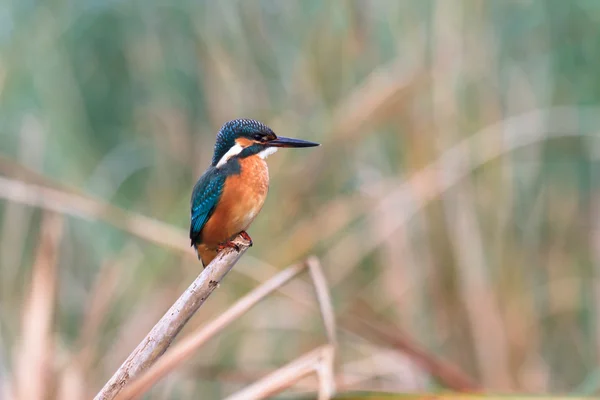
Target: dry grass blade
x=326 y=374
x=374 y=332
x=450 y=396
x=366 y=105
x=34 y=369
x=65 y=202
x=325 y=370
x=489 y=339
x=449 y=169
x=16 y=169
x=324 y=298
x=331 y=218
x=195 y=340
x=378 y=332
x=165 y=330
x=379 y=90
x=79 y=370
x=484 y=314
x=318 y=361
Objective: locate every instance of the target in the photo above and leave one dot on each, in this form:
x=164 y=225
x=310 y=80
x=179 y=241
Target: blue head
x=246 y=137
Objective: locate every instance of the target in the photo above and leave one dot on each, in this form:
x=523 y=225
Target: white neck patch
x=237 y=149
x=233 y=151
x=267 y=152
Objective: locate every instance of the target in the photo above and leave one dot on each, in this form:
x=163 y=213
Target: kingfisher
x=232 y=191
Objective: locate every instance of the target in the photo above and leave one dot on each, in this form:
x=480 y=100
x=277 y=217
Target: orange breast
x=242 y=199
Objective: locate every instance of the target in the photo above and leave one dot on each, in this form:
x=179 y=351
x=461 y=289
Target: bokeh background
x=455 y=197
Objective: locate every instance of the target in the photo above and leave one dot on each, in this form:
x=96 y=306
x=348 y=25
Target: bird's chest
x=244 y=194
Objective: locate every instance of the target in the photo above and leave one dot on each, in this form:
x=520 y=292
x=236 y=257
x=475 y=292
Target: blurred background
x=455 y=199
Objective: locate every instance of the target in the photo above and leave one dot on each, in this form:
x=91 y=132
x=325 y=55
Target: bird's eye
x=259 y=137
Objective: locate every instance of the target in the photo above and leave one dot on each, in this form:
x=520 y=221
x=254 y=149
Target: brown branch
x=323 y=366
x=165 y=330
x=186 y=347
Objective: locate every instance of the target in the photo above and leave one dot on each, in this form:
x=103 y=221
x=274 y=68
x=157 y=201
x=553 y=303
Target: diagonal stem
x=165 y=330
x=186 y=347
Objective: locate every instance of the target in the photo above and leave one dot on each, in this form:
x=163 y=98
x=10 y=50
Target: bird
x=231 y=192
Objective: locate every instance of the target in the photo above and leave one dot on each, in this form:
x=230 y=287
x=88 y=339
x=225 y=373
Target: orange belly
x=242 y=199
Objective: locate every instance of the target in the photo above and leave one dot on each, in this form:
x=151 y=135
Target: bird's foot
x=228 y=245
x=246 y=237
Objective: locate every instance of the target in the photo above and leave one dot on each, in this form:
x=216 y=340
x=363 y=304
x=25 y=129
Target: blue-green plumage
x=220 y=210
x=209 y=187
x=206 y=195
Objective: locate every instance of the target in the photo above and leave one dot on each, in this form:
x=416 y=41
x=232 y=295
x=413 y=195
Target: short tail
x=205 y=254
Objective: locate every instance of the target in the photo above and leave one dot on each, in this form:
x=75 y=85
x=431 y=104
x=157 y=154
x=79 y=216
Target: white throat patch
x=237 y=149
x=233 y=151
x=267 y=152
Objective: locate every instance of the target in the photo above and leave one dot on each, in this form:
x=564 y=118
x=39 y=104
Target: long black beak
x=289 y=142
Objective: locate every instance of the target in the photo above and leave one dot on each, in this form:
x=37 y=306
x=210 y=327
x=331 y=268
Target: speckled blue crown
x=234 y=129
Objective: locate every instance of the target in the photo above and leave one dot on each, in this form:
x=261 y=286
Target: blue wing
x=205 y=197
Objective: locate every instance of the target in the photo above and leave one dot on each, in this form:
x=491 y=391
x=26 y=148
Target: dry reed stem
x=378 y=395
x=326 y=374
x=452 y=376
x=380 y=89
x=448 y=170
x=370 y=330
x=344 y=381
x=17 y=218
x=140 y=226
x=325 y=369
x=323 y=297
x=185 y=349
x=373 y=331
x=194 y=341
x=595 y=246
x=81 y=206
x=105 y=290
x=318 y=361
x=387 y=335
x=476 y=291
x=23 y=171
x=398 y=206
x=165 y=330
x=331 y=218
x=73 y=382
x=34 y=363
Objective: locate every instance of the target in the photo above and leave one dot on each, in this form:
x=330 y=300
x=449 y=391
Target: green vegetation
x=496 y=272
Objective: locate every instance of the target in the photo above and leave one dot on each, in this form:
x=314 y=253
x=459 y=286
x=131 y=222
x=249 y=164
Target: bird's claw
x=232 y=245
x=228 y=244
x=246 y=237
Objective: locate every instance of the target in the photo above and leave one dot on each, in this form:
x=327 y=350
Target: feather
x=205 y=197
